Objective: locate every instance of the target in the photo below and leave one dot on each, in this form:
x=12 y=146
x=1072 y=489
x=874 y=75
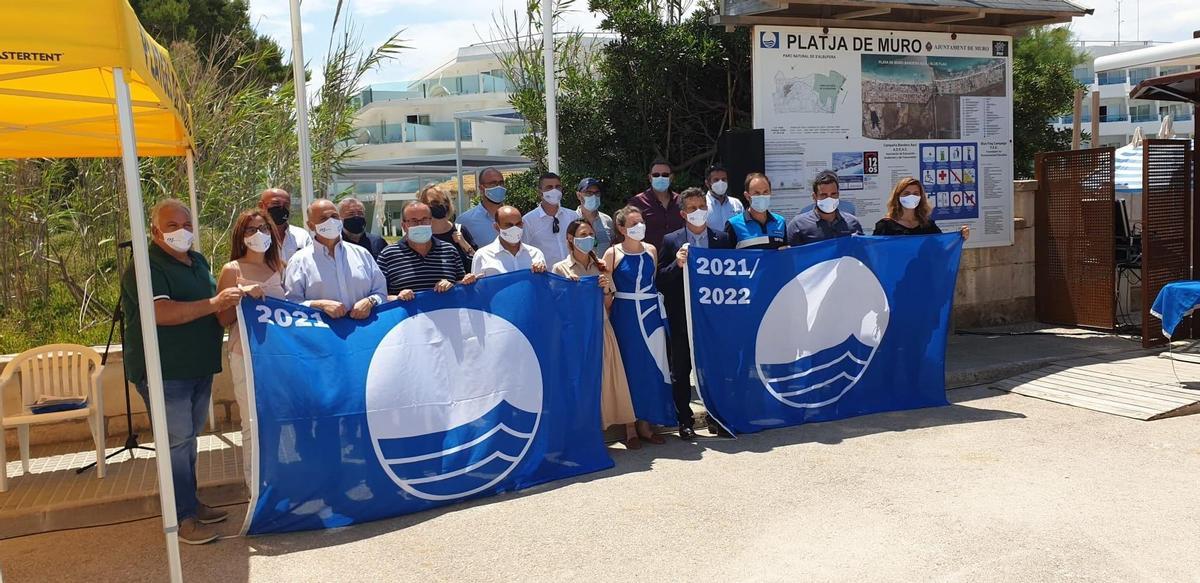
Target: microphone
x=124 y=244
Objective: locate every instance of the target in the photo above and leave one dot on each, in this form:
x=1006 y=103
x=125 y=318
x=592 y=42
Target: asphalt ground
x=994 y=487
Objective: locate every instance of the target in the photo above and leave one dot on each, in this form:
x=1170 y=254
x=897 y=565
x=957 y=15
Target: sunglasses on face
x=660 y=175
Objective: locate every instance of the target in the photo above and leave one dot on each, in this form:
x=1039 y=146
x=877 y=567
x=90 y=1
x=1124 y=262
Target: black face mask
x=354 y=225
x=279 y=214
x=439 y=211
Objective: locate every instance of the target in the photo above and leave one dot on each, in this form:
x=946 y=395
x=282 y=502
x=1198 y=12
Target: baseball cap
x=587 y=183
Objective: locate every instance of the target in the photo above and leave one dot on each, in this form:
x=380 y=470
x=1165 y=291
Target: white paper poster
x=876 y=106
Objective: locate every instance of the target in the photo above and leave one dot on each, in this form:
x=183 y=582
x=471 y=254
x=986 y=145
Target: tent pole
x=191 y=174
x=141 y=265
x=461 y=199
x=306 y=178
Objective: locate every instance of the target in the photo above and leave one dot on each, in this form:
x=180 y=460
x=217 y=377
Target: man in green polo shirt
x=189 y=339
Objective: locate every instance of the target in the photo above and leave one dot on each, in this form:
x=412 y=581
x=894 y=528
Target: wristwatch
x=374 y=300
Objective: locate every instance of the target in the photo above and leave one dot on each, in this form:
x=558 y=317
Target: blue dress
x=640 y=324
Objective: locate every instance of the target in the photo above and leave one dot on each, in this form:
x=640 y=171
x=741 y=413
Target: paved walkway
x=996 y=487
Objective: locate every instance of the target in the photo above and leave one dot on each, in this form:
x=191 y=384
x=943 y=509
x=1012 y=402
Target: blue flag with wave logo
x=487 y=388
x=829 y=330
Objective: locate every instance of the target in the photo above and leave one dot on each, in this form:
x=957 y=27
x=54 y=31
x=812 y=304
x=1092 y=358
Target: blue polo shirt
x=747 y=233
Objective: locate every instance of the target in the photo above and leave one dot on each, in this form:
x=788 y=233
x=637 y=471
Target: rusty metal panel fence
x=1075 y=275
x=1166 y=225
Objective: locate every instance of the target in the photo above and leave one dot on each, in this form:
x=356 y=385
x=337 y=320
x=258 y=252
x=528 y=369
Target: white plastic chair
x=56 y=370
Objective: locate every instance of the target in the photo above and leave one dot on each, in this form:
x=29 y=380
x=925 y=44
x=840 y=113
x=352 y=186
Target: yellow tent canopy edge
x=56 y=82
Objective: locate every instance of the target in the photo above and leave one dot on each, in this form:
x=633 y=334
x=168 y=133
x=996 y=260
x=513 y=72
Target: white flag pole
x=551 y=86
x=306 y=179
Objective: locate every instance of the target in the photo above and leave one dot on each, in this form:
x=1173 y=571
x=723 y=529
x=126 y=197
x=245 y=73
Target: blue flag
x=825 y=331
x=487 y=388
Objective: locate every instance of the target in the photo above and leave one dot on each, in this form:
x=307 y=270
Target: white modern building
x=406 y=130
x=1119 y=115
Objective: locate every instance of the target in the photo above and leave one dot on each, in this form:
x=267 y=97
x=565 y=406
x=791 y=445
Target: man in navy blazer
x=672 y=260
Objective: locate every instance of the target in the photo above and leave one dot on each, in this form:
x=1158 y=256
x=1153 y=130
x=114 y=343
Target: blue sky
x=435 y=28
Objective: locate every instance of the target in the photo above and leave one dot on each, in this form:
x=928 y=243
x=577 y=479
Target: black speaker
x=742 y=152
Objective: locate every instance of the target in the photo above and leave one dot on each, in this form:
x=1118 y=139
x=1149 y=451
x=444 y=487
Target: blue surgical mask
x=761 y=203
x=660 y=183
x=585 y=244
x=591 y=202
x=495 y=194
x=419 y=234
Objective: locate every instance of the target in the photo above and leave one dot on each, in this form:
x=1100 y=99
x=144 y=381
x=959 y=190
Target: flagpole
x=306 y=179
x=551 y=86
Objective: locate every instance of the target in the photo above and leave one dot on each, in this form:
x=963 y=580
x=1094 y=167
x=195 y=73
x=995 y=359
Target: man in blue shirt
x=672 y=261
x=757 y=227
x=479 y=221
x=824 y=221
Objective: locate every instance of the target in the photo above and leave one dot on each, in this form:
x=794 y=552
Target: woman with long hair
x=616 y=406
x=256 y=267
x=442 y=209
x=640 y=324
x=908 y=212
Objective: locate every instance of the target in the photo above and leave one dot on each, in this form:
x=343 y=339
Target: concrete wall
x=995 y=284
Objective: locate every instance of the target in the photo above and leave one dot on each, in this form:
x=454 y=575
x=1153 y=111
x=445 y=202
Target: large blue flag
x=825 y=331
x=487 y=388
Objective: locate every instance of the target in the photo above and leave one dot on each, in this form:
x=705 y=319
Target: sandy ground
x=995 y=487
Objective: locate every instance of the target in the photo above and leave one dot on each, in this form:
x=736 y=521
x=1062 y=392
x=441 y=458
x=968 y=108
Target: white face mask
x=330 y=229
x=511 y=235
x=827 y=205
x=552 y=196
x=180 y=240
x=910 y=201
x=259 y=242
x=719 y=187
x=636 y=232
x=698 y=217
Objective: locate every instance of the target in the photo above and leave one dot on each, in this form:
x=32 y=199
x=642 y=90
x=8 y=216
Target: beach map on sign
x=816 y=93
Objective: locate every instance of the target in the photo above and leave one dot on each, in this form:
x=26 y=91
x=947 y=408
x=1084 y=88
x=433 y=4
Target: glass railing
x=1110 y=79
x=1181 y=116
x=438 y=131
x=462 y=85
x=1068 y=119
x=1143 y=117
x=1085 y=79
x=1114 y=117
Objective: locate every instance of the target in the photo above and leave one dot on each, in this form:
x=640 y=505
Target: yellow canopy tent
x=82 y=78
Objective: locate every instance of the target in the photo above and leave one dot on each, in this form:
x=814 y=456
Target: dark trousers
x=681 y=367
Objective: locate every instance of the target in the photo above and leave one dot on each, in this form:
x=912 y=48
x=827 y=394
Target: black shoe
x=687 y=433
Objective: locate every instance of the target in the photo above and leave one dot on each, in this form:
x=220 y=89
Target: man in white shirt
x=332 y=276
x=546 y=225
x=277 y=203
x=721 y=206
x=507 y=253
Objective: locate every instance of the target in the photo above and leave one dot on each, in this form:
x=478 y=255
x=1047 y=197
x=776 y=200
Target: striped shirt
x=406 y=269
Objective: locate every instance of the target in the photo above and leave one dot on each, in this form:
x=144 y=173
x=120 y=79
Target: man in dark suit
x=672 y=260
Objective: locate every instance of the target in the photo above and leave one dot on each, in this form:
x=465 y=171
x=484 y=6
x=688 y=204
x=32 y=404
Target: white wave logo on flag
x=820 y=332
x=454 y=398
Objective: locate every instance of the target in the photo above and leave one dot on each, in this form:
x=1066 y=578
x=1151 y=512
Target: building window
x=1141 y=113
x=1110 y=77
x=417 y=119
x=1083 y=74
x=1140 y=74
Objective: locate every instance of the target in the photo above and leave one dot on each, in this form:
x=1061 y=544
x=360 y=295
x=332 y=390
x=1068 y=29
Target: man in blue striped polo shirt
x=419 y=261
